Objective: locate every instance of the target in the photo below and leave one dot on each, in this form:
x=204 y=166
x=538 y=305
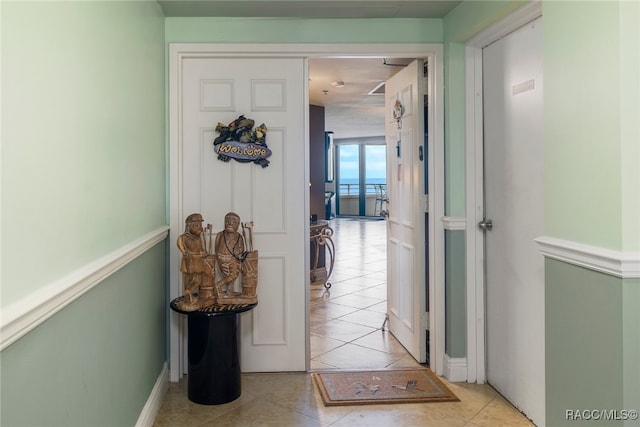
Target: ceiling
x=345 y=87
x=351 y=81
x=353 y=110
x=309 y=8
x=349 y=110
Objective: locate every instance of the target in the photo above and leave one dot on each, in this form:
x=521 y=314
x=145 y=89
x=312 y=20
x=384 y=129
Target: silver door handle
x=485 y=225
x=384 y=214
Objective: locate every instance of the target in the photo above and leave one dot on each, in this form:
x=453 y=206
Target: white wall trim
x=378 y=140
x=517 y=19
x=455 y=368
x=24 y=315
x=154 y=402
x=476 y=339
x=452 y=223
x=475 y=210
x=625 y=265
x=311 y=50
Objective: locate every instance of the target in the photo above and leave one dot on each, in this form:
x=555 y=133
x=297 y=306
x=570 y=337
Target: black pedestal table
x=214 y=352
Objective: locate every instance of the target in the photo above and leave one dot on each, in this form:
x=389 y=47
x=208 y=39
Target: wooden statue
x=229 y=253
x=198 y=265
x=235 y=260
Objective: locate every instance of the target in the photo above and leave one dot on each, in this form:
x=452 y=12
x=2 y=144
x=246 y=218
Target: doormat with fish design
x=383 y=386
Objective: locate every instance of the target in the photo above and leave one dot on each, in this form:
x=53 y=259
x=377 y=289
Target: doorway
x=347 y=321
x=354 y=153
x=514 y=202
x=504 y=155
x=297 y=315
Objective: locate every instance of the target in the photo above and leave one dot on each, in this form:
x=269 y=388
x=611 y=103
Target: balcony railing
x=354 y=189
x=350 y=199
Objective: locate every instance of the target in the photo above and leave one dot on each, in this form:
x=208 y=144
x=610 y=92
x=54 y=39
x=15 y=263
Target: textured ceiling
x=350 y=111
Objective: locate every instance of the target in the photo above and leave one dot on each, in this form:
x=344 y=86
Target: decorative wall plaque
x=240 y=141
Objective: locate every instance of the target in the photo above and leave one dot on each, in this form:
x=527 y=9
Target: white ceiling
x=359 y=77
x=349 y=111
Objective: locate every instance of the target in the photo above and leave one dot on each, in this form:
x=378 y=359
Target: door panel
x=270 y=91
x=406 y=300
x=513 y=154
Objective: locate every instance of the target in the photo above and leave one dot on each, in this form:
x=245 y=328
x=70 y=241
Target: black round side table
x=213 y=352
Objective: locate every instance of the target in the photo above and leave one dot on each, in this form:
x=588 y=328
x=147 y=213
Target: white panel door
x=406 y=287
x=513 y=153
x=269 y=91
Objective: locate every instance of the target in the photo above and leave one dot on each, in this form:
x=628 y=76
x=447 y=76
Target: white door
x=406 y=284
x=513 y=189
x=269 y=91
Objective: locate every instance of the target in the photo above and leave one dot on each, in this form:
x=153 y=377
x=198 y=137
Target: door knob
x=384 y=214
x=485 y=225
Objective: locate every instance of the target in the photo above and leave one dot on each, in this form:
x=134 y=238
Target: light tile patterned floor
x=346 y=333
x=346 y=319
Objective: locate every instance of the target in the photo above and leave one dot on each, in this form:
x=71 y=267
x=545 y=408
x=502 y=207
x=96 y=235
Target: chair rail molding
x=24 y=315
x=454 y=223
x=625 y=265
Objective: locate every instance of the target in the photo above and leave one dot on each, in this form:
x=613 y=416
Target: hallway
x=346 y=333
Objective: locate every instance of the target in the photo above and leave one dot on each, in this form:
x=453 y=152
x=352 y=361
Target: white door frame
x=436 y=209
x=476 y=350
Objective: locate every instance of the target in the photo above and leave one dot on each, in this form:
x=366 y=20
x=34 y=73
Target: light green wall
x=585 y=366
x=83 y=138
x=95 y=362
x=280 y=30
x=582 y=115
x=631 y=345
x=473 y=16
x=455 y=294
x=592 y=194
x=629 y=124
x=454 y=122
x=83 y=173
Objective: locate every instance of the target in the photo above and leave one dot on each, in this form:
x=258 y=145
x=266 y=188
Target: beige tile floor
x=346 y=333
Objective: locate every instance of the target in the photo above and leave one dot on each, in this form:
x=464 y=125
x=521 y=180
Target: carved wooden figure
x=229 y=253
x=197 y=266
x=202 y=289
x=235 y=260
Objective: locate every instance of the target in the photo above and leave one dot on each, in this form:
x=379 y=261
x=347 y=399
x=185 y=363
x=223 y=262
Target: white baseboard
x=455 y=368
x=151 y=408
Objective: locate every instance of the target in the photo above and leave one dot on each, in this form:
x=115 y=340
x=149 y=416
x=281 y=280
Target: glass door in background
x=375 y=170
x=348 y=188
x=361 y=179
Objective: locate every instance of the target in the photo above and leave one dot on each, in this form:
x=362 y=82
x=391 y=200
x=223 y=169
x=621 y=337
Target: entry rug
x=383 y=386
